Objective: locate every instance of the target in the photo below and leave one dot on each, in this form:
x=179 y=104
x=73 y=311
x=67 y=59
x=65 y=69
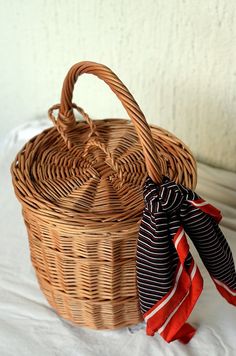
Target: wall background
x=178 y=58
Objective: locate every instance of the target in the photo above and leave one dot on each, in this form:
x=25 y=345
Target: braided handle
x=128 y=102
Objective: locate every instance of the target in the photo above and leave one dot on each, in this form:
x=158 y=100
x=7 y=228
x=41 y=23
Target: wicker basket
x=80 y=186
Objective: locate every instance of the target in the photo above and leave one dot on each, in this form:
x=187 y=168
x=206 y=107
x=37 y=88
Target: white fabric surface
x=28 y=325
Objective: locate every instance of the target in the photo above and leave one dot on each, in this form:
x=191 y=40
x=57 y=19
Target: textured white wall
x=177 y=57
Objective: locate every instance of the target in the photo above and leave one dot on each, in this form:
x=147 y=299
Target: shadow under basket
x=81 y=189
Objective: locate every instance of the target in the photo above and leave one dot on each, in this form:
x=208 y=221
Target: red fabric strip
x=168 y=315
x=185 y=333
x=228 y=293
x=181 y=244
x=176 y=327
x=207 y=208
x=157 y=315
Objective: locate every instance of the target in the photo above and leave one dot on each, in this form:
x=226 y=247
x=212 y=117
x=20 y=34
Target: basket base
x=97 y=315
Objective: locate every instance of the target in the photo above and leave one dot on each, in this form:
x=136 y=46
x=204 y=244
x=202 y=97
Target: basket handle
x=133 y=110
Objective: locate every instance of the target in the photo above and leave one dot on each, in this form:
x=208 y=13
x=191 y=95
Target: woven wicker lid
x=96 y=168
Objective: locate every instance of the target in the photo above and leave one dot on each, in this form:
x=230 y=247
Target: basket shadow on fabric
x=81 y=189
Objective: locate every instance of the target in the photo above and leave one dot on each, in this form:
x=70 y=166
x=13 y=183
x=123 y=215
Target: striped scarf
x=168 y=279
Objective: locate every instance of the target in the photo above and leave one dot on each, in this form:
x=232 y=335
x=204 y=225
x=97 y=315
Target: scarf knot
x=167 y=198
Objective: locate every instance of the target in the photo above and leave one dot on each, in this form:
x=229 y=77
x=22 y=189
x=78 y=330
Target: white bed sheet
x=28 y=325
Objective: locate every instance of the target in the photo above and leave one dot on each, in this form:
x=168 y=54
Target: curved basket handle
x=137 y=117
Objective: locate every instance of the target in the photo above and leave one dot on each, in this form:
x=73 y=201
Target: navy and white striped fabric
x=169 y=281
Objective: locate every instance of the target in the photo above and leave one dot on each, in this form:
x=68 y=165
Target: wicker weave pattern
x=80 y=186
